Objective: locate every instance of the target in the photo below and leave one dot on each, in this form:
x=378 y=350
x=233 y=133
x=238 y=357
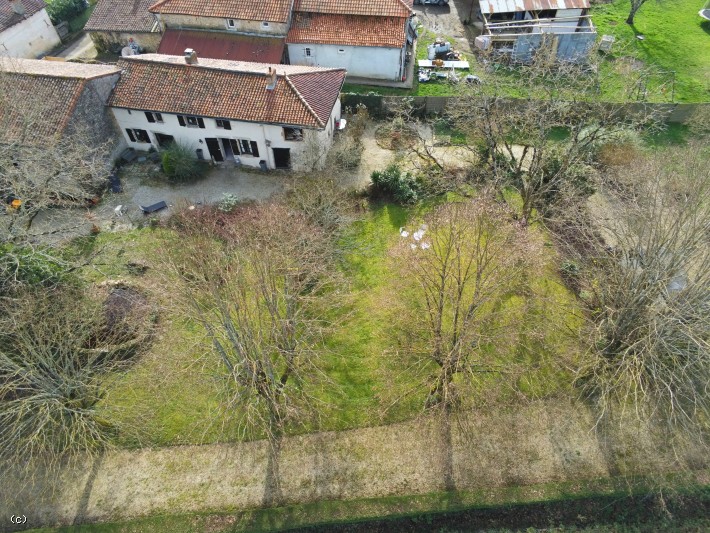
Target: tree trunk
x=635 y=5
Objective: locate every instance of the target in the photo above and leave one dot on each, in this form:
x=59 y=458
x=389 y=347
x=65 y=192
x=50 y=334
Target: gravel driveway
x=447 y=21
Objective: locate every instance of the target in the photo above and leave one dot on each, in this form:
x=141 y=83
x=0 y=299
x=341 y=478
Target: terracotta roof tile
x=236 y=90
x=322 y=28
x=223 y=45
x=57 y=87
x=9 y=18
x=121 y=15
x=375 y=8
x=264 y=10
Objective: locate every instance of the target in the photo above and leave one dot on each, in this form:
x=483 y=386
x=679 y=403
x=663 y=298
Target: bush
x=29 y=267
x=180 y=165
x=61 y=10
x=618 y=148
x=395 y=184
x=228 y=202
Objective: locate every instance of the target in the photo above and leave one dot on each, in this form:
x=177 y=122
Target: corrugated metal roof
x=510 y=6
x=221 y=45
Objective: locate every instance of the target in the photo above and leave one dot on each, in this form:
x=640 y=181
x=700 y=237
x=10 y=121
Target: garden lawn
x=675 y=39
x=172 y=393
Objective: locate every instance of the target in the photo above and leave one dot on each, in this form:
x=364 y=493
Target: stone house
x=268 y=116
x=66 y=98
x=115 y=24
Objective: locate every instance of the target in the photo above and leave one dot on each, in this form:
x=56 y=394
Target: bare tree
x=56 y=351
x=42 y=163
x=466 y=259
x=258 y=281
x=646 y=271
x=514 y=138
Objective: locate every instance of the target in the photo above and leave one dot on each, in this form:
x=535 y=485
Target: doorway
x=282 y=157
x=215 y=152
x=230 y=148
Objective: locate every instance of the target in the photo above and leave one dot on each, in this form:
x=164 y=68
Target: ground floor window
x=248 y=147
x=138 y=136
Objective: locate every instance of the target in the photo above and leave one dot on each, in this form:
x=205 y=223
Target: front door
x=215 y=152
x=282 y=157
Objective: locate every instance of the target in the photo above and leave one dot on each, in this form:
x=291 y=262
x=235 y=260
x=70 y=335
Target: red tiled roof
x=263 y=10
x=323 y=28
x=375 y=8
x=9 y=18
x=121 y=15
x=222 y=45
x=236 y=90
x=55 y=88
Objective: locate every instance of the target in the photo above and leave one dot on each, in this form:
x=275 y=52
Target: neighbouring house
x=115 y=24
x=41 y=99
x=223 y=45
x=268 y=116
x=25 y=29
x=371 y=40
x=227 y=29
x=519 y=27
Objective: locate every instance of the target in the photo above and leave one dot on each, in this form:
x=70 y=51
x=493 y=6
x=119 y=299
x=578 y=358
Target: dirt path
x=536 y=444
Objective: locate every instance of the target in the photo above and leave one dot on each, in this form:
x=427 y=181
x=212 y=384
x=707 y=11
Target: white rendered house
x=269 y=116
x=25 y=29
x=370 y=40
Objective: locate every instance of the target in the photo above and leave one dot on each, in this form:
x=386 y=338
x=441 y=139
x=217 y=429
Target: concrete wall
x=111 y=40
x=360 y=61
x=33 y=37
x=214 y=23
x=263 y=134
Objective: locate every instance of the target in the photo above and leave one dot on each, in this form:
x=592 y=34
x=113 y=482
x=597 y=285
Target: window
x=293 y=134
x=138 y=136
x=247 y=147
x=264 y=24
x=190 y=121
x=341 y=50
x=231 y=24
x=307 y=52
x=154 y=117
x=223 y=123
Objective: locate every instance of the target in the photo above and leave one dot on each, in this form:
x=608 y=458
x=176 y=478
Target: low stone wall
x=380 y=105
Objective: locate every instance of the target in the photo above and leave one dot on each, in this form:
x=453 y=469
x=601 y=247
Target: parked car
x=428 y=2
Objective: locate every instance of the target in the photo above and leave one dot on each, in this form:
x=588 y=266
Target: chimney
x=17 y=6
x=272 y=79
x=190 y=56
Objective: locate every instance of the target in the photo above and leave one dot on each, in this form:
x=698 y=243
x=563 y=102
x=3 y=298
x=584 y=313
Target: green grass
x=172 y=391
x=675 y=39
x=676 y=46
x=77 y=23
x=590 y=505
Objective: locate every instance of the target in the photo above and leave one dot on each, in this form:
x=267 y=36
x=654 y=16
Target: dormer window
x=231 y=24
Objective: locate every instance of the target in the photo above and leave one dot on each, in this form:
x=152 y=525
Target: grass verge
x=568 y=506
